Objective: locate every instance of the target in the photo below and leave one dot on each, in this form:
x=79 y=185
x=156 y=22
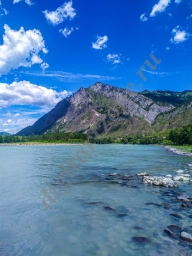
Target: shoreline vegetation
x=178 y=140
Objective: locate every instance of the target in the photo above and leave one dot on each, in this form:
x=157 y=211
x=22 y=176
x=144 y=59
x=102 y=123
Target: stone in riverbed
x=108 y=208
x=167 y=231
x=184 y=197
x=140 y=239
x=143 y=174
x=181 y=178
x=174 y=227
x=159 y=181
x=186 y=236
x=180 y=171
x=113 y=174
x=169 y=176
x=121 y=215
x=176 y=215
x=137 y=228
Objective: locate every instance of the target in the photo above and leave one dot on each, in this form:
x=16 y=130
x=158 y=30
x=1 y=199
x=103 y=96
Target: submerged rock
x=176 y=215
x=140 y=239
x=186 y=236
x=159 y=181
x=184 y=197
x=121 y=215
x=174 y=227
x=108 y=208
x=167 y=231
x=138 y=228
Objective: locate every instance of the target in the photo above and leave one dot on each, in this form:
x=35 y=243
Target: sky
x=49 y=49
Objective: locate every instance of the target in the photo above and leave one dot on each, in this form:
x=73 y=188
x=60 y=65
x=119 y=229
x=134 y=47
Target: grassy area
x=187 y=149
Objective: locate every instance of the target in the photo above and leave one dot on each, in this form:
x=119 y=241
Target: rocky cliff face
x=107 y=109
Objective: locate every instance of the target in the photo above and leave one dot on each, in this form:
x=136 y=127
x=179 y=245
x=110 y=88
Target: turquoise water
x=77 y=225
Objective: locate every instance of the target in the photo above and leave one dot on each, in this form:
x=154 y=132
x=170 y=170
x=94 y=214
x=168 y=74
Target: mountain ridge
x=114 y=111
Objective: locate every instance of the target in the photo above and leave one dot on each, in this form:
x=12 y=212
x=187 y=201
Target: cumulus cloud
x=100 y=43
x=179 y=36
x=114 y=58
x=26 y=1
x=66 y=11
x=178 y=1
x=20 y=49
x=159 y=7
x=25 y=93
x=143 y=17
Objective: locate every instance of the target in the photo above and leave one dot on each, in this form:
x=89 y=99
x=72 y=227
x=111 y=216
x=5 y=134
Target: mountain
x=4 y=133
x=115 y=111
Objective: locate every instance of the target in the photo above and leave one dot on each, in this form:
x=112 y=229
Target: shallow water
x=77 y=225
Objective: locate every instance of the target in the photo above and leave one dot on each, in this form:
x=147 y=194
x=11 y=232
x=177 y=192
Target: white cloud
x=44 y=66
x=100 y=43
x=160 y=7
x=70 y=77
x=60 y=14
x=20 y=49
x=18 y=123
x=3 y=11
x=114 y=58
x=178 y=1
x=26 y=1
x=66 y=31
x=167 y=48
x=25 y=93
x=157 y=73
x=143 y=17
x=189 y=17
x=179 y=36
x=17 y=114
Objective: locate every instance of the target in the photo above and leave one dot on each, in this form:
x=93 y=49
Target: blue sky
x=49 y=49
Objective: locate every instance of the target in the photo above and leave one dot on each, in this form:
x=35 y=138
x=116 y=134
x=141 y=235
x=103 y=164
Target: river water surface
x=93 y=214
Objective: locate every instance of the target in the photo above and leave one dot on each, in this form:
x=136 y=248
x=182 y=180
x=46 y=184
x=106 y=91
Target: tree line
x=177 y=136
x=71 y=137
x=181 y=136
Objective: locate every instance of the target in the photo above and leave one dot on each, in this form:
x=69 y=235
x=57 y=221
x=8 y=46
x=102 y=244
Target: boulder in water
x=159 y=181
x=186 y=236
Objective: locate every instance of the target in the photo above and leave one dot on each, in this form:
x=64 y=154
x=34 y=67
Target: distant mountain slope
x=4 y=133
x=179 y=117
x=123 y=112
x=174 y=98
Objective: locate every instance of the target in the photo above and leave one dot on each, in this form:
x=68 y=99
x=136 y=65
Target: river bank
x=180 y=150
x=39 y=144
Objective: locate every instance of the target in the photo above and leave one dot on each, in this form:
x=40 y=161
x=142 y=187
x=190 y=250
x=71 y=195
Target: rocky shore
x=176 y=202
x=177 y=151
